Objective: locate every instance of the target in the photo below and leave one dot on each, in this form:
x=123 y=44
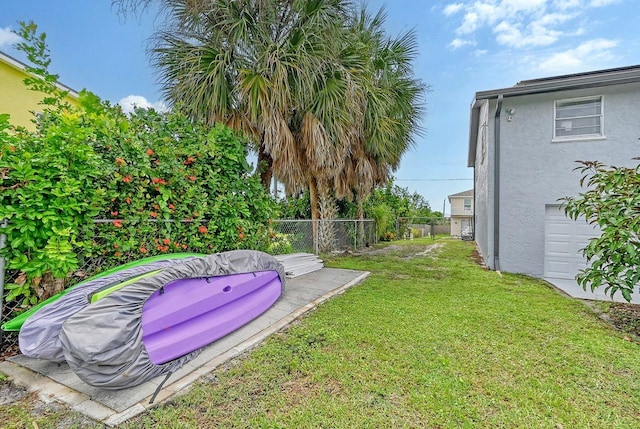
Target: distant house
x=462 y=214
x=523 y=144
x=15 y=98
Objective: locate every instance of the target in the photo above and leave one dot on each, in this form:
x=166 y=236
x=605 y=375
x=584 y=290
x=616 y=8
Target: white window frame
x=590 y=136
x=464 y=204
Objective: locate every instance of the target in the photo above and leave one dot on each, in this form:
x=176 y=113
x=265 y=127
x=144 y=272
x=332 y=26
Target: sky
x=464 y=47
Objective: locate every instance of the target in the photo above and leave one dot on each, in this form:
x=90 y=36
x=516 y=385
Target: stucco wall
x=483 y=194
x=457 y=206
x=459 y=215
x=16 y=99
x=536 y=171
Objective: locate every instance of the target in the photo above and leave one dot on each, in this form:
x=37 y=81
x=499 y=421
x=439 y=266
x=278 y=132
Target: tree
x=612 y=202
x=390 y=104
x=327 y=98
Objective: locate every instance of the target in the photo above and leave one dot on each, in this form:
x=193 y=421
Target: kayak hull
x=188 y=314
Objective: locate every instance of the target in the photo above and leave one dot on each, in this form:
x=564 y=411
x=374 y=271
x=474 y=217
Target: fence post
x=316 y=231
x=355 y=235
x=3 y=239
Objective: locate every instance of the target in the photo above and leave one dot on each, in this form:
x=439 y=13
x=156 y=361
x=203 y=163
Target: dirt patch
x=20 y=408
x=625 y=317
x=477 y=258
x=429 y=250
x=405 y=251
x=10 y=393
x=392 y=248
x=9 y=348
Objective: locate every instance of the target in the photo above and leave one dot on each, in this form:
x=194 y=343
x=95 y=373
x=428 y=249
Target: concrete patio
x=56 y=382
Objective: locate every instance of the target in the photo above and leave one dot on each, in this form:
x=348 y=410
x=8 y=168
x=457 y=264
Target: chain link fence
x=290 y=236
x=416 y=227
x=333 y=235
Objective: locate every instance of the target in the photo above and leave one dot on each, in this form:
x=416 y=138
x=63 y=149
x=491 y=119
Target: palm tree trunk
x=265 y=167
x=315 y=210
x=328 y=212
x=361 y=240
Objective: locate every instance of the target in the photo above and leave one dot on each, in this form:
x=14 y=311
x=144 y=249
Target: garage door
x=563 y=239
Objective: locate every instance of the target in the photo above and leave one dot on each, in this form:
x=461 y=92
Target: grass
x=429 y=340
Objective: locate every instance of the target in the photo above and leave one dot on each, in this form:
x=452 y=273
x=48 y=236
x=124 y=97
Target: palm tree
x=392 y=104
x=249 y=64
x=327 y=100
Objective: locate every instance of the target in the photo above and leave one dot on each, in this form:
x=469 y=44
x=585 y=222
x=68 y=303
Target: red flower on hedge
x=149 y=152
x=202 y=229
x=128 y=200
x=166 y=241
x=126 y=179
x=120 y=161
x=114 y=213
x=192 y=178
x=143 y=249
x=117 y=224
x=153 y=214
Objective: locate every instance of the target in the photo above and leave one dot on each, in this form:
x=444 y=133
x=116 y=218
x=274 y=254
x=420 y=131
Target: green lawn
x=429 y=340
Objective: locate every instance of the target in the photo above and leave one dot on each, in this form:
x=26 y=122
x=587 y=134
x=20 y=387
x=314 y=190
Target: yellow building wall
x=17 y=100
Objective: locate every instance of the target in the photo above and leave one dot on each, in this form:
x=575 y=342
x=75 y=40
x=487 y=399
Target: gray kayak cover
x=103 y=342
x=40 y=335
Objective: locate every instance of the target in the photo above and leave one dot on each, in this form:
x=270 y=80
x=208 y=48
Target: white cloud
x=458 y=43
x=522 y=6
x=470 y=23
x=536 y=34
x=568 y=4
x=8 y=37
x=523 y=23
x=129 y=102
x=590 y=55
x=452 y=9
x=601 y=3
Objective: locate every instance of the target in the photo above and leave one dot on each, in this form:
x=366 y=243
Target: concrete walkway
x=571 y=288
x=54 y=381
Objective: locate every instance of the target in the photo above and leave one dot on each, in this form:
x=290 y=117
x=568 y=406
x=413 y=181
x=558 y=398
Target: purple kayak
x=187 y=314
x=156 y=324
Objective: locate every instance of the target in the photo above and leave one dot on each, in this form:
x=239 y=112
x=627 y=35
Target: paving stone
x=93 y=410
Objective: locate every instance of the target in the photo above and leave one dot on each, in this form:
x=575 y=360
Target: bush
x=159 y=182
x=613 y=203
x=384 y=218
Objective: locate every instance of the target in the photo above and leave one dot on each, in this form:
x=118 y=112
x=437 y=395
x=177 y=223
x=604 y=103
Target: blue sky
x=464 y=47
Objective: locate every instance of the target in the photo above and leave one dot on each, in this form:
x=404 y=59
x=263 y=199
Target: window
x=467 y=203
x=578 y=118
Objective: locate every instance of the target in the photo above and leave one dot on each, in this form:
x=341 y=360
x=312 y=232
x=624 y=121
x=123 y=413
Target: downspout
x=496 y=186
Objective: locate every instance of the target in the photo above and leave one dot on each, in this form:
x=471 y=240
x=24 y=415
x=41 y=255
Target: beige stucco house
x=462 y=214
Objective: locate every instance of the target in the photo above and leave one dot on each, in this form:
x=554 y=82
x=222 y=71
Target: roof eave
x=20 y=66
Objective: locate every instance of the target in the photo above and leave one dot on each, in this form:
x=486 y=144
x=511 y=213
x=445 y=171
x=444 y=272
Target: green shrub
x=383 y=215
x=157 y=183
